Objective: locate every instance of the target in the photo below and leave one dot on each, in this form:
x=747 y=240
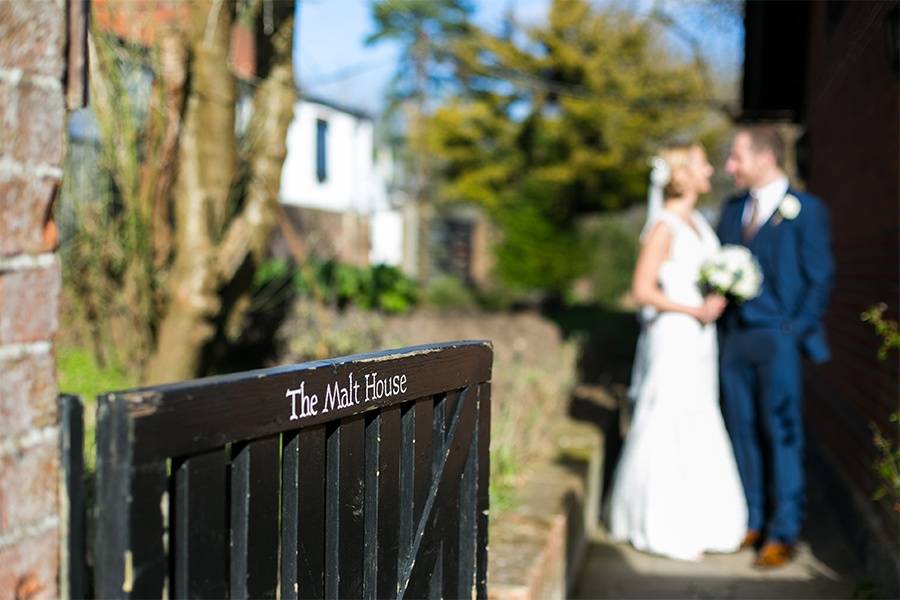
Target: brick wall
x=326 y=234
x=32 y=122
x=853 y=133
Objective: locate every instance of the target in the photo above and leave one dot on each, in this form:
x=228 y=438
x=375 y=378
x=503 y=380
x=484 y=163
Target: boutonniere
x=788 y=209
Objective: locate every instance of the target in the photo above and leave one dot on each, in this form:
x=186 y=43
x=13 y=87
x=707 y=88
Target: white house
x=332 y=176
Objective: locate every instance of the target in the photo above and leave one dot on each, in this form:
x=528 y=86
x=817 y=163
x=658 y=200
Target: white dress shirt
x=769 y=197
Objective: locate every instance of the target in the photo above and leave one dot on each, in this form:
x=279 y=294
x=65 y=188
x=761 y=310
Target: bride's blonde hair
x=678 y=157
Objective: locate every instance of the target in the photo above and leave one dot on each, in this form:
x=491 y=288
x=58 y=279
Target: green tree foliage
x=887 y=465
x=556 y=121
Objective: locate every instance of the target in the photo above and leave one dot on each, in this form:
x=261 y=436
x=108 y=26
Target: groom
x=763 y=339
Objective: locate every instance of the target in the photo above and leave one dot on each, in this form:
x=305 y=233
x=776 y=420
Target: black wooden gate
x=365 y=476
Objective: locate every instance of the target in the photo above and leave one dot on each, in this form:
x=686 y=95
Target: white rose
x=789 y=207
x=744 y=289
x=720 y=280
x=750 y=283
x=735 y=258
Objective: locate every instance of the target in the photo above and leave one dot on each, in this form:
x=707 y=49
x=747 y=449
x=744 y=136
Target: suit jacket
x=798 y=271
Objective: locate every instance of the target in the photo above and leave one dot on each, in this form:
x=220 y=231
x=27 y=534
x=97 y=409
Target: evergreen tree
x=556 y=121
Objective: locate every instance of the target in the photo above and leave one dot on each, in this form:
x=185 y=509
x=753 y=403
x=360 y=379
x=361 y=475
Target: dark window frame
x=321 y=150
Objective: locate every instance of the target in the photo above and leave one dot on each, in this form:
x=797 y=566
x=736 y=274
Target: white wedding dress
x=677 y=491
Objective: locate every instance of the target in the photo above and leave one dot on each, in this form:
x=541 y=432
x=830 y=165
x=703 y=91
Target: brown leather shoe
x=751 y=540
x=774 y=555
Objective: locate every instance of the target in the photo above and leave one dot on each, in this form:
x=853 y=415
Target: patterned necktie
x=750 y=228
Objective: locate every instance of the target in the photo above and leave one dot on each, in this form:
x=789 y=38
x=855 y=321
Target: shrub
x=447 y=292
x=613 y=253
x=379 y=287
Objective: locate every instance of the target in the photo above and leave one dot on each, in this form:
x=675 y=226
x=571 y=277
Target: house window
x=321 y=150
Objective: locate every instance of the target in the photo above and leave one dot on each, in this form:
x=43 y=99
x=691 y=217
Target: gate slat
x=406 y=501
x=303 y=492
x=422 y=458
x=451 y=537
x=484 y=464
x=290 y=514
x=254 y=519
x=149 y=485
x=201 y=527
x=129 y=554
x=423 y=455
x=332 y=510
x=388 y=537
x=351 y=529
x=311 y=545
x=461 y=583
x=72 y=581
x=442 y=413
x=370 y=513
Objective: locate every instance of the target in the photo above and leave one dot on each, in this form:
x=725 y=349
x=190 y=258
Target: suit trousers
x=761 y=374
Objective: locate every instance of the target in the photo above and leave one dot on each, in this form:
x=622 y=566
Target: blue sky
x=332 y=59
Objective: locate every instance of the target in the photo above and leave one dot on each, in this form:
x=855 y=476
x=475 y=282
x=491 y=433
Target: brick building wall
x=853 y=140
x=32 y=122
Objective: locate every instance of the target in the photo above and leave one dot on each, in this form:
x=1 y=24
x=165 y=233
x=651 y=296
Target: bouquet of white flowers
x=734 y=272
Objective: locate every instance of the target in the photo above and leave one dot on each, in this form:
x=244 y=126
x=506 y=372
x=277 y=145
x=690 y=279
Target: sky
x=333 y=61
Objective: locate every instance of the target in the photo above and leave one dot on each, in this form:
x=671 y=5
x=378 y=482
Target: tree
x=194 y=203
x=557 y=121
x=426 y=30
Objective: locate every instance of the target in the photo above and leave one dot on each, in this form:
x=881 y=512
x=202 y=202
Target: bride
x=677 y=491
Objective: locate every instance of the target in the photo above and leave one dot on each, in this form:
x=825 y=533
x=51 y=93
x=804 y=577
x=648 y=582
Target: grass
x=79 y=373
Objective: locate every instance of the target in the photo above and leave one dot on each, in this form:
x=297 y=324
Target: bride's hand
x=712 y=308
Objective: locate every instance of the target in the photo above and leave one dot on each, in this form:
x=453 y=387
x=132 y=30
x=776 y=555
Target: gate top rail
x=207 y=413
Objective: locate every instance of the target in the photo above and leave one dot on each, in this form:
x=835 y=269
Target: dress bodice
x=689 y=249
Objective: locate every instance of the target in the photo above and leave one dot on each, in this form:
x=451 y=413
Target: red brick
x=853 y=126
x=32 y=123
x=32 y=128
x=28 y=568
x=27 y=393
x=32 y=35
x=29 y=304
x=23 y=207
x=29 y=482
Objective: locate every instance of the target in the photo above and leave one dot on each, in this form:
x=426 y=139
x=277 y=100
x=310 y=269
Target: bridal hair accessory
x=660 y=175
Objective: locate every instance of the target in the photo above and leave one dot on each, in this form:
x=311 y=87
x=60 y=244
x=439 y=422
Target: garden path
x=823 y=568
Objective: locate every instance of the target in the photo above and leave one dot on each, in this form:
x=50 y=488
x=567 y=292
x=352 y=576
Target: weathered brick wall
x=32 y=122
x=343 y=236
x=854 y=149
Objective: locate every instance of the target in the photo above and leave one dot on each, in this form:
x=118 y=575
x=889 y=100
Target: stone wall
x=32 y=127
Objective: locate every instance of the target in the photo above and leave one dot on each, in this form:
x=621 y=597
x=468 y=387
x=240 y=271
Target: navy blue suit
x=761 y=344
